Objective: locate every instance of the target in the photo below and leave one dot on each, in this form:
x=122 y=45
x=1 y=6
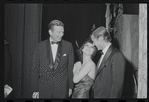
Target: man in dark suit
x=53 y=62
x=109 y=79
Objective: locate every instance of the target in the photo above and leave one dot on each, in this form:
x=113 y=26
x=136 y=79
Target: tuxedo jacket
x=52 y=79
x=109 y=79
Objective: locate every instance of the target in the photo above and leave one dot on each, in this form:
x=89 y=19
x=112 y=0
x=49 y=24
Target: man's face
x=57 y=33
x=97 y=42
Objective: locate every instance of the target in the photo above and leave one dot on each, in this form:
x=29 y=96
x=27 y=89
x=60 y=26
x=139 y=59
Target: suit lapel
x=105 y=59
x=49 y=54
x=58 y=56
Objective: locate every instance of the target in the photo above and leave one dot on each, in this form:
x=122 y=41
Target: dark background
x=78 y=18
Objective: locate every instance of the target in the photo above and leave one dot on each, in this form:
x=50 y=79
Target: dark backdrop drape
x=22 y=30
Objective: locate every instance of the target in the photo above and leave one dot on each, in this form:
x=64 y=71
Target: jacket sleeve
x=118 y=71
x=35 y=71
x=70 y=66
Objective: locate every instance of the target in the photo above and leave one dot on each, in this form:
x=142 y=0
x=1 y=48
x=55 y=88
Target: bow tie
x=52 y=42
x=101 y=52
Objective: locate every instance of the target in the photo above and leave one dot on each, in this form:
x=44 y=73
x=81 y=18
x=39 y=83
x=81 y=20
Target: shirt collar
x=105 y=49
x=50 y=39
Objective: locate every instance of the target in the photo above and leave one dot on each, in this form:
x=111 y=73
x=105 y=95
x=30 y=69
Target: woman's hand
x=78 y=64
x=77 y=67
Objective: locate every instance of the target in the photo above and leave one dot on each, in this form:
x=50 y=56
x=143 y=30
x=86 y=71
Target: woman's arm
x=83 y=71
x=77 y=67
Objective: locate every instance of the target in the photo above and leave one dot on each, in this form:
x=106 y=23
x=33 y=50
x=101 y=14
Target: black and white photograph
x=75 y=51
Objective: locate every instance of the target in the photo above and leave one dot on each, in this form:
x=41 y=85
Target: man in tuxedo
x=53 y=60
x=109 y=79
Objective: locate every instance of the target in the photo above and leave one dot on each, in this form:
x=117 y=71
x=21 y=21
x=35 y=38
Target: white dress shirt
x=54 y=49
x=104 y=52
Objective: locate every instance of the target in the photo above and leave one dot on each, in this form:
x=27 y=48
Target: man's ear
x=50 y=32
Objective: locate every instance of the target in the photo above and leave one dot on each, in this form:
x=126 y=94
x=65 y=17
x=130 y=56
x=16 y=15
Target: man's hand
x=35 y=95
x=70 y=92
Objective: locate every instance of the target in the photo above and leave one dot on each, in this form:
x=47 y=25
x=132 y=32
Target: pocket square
x=64 y=54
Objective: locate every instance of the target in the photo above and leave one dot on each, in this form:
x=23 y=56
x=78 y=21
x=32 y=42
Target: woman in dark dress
x=84 y=71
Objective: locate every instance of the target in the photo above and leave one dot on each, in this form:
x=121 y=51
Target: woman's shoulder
x=90 y=64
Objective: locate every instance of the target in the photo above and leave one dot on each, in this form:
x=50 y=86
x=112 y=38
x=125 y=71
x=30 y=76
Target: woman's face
x=88 y=48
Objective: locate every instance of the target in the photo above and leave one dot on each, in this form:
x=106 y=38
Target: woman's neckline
x=86 y=61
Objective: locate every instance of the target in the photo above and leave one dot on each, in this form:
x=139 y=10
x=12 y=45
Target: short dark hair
x=80 y=53
x=102 y=31
x=53 y=23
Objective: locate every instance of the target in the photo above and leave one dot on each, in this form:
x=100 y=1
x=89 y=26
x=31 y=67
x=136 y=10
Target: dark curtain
x=7 y=67
x=22 y=30
x=127 y=37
